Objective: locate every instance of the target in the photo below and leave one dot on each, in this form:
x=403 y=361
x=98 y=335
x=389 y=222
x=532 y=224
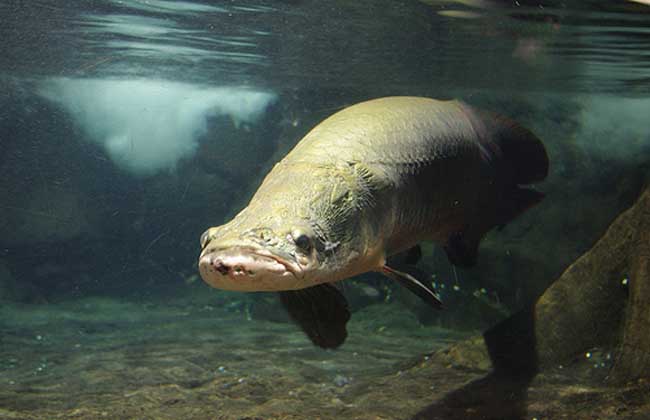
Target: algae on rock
x=603 y=299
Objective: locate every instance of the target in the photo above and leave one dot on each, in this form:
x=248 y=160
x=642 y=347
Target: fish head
x=280 y=256
x=294 y=235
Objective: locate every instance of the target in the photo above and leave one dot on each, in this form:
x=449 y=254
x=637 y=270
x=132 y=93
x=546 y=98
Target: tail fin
x=521 y=149
x=518 y=158
x=524 y=161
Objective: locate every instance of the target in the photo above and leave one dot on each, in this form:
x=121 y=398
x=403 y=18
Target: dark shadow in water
x=502 y=394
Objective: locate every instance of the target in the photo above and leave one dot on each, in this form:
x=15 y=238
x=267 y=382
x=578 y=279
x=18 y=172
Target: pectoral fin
x=320 y=311
x=414 y=285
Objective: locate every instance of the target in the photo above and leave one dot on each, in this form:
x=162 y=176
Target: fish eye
x=302 y=241
x=205 y=237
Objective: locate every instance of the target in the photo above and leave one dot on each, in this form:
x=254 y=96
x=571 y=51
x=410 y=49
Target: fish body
x=369 y=182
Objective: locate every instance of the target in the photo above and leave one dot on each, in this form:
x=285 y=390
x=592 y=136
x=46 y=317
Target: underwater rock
x=45 y=171
x=598 y=305
x=602 y=300
x=470 y=354
x=49 y=214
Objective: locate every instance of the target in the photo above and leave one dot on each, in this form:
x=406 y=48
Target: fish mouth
x=293 y=267
x=248 y=269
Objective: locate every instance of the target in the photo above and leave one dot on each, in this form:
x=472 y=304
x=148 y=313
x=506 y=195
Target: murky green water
x=130 y=127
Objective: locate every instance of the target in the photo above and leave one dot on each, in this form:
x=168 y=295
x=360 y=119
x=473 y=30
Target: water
x=129 y=127
x=581 y=46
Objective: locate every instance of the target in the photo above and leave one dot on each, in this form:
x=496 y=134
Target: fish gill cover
x=147 y=126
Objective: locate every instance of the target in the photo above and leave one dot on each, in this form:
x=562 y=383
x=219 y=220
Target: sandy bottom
x=175 y=358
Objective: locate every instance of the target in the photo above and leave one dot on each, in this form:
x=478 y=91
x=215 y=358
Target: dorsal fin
x=521 y=150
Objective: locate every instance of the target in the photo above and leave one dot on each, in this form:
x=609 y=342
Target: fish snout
x=223 y=266
x=244 y=269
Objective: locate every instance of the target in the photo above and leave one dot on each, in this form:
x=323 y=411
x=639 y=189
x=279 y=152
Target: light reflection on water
x=543 y=46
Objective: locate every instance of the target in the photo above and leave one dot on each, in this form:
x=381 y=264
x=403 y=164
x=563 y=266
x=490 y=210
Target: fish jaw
x=249 y=269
